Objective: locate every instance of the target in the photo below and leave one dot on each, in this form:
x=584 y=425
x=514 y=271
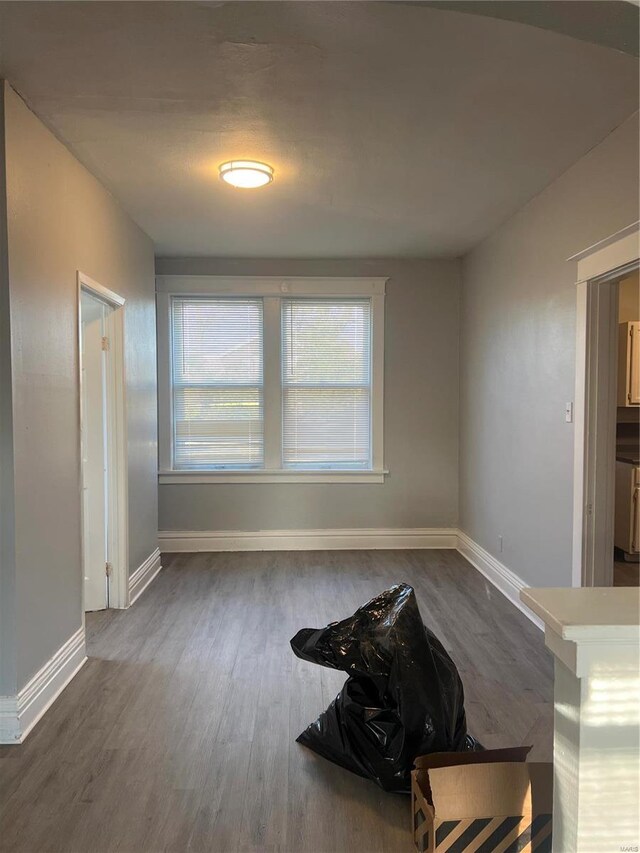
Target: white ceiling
x=395 y=130
x=613 y=23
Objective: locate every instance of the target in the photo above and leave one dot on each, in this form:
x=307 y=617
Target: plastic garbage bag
x=403 y=696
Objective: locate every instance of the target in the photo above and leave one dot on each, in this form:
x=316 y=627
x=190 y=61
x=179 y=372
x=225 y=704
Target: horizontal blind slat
x=217 y=382
x=326 y=378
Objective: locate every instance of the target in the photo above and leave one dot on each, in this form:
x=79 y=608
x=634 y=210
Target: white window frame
x=271 y=289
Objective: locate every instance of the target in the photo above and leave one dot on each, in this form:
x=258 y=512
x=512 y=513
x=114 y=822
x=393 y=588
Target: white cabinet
x=627 y=520
x=629 y=364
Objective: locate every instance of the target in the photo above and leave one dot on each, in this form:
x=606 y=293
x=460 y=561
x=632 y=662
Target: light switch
x=568 y=412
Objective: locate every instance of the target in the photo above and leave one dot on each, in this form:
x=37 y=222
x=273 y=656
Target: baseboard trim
x=188 y=541
x=506 y=581
x=19 y=714
x=143 y=575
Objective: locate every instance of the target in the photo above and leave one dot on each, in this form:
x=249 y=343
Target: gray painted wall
x=518 y=361
x=421 y=414
x=8 y=676
x=60 y=219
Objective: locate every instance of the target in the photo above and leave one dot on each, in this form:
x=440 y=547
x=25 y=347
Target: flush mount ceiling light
x=246 y=174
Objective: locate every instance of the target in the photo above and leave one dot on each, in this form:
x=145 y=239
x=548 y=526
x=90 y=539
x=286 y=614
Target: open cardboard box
x=482 y=802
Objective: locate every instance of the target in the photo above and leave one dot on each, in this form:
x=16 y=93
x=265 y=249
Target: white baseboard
x=143 y=575
x=19 y=714
x=186 y=541
x=506 y=581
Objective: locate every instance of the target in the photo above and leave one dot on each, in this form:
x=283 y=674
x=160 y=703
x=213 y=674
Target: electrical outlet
x=499 y=544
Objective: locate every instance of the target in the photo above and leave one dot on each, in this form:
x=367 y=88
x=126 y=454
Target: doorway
x=103 y=446
x=601 y=268
x=627 y=477
x=95 y=436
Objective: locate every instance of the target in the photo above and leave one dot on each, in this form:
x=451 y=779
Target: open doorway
x=103 y=446
x=627 y=478
x=606 y=406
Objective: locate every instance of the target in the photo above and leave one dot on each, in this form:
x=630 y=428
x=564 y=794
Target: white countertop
x=588 y=613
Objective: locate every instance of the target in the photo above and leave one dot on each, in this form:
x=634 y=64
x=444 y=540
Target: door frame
x=117 y=467
x=600 y=267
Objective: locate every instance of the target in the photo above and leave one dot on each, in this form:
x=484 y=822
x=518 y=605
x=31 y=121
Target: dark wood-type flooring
x=179 y=732
x=626 y=574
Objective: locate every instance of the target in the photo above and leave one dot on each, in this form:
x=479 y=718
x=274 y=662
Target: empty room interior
x=319 y=427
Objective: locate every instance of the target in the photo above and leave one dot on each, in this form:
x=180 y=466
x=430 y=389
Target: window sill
x=273 y=476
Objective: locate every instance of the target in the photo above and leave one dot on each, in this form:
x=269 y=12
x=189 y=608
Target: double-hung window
x=216 y=383
x=326 y=384
x=261 y=379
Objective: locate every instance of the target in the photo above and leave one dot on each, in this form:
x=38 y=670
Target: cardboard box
x=482 y=802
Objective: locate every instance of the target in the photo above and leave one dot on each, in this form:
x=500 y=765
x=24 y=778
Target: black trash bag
x=403 y=697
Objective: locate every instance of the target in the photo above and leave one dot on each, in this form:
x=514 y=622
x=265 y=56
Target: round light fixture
x=246 y=174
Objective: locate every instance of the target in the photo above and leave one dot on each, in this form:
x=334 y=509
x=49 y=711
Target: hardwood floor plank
x=179 y=732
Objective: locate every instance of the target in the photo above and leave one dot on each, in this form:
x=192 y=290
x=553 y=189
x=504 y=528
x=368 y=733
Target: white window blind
x=217 y=382
x=326 y=383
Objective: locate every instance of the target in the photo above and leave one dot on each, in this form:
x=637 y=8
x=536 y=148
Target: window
x=216 y=373
x=326 y=383
x=266 y=380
